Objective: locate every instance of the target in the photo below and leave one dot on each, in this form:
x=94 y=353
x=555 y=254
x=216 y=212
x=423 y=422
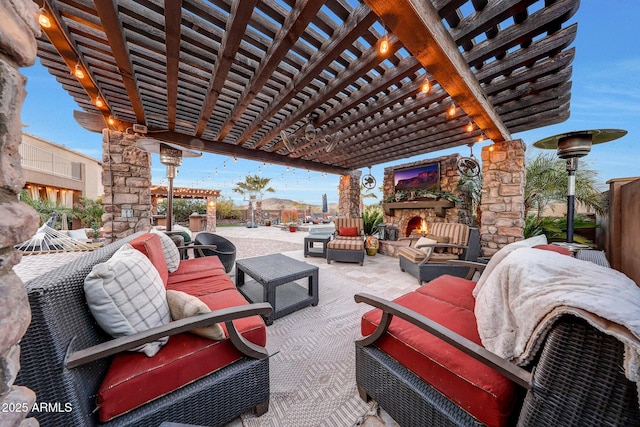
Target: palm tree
x=546 y=181
x=254 y=185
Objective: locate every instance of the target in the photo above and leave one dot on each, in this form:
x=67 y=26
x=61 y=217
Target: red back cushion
x=150 y=245
x=348 y=231
x=555 y=248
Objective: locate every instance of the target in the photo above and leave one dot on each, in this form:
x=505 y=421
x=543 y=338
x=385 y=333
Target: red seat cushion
x=478 y=389
x=196 y=269
x=134 y=379
x=455 y=290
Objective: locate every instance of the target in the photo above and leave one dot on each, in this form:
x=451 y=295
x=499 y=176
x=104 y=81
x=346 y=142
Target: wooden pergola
x=228 y=77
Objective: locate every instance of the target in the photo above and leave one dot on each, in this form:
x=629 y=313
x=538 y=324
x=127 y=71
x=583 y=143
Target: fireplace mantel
x=438 y=206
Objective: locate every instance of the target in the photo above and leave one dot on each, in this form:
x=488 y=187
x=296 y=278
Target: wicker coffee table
x=274 y=282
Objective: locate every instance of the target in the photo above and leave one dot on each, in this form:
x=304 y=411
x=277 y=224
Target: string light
x=385 y=45
x=44 y=20
x=452 y=110
x=469 y=127
x=99 y=102
x=481 y=138
x=111 y=120
x=235 y=159
x=426 y=86
x=78 y=71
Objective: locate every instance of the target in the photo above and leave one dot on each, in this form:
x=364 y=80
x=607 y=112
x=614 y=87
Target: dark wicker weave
x=577 y=380
x=61 y=323
x=225 y=250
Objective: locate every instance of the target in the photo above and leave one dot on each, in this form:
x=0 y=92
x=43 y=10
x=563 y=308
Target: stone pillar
x=18 y=222
x=126 y=177
x=349 y=195
x=503 y=179
x=211 y=213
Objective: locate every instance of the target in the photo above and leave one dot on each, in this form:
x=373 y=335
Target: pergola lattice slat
x=231 y=77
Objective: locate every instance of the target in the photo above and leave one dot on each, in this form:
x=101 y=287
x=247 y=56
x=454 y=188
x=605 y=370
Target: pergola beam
x=109 y=17
x=418 y=25
x=233 y=150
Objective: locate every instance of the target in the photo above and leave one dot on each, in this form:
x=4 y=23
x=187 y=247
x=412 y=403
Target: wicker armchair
x=225 y=250
x=463 y=243
x=576 y=379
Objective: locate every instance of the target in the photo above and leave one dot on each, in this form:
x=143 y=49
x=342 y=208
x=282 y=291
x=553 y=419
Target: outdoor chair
x=348 y=242
x=428 y=257
x=423 y=361
x=225 y=250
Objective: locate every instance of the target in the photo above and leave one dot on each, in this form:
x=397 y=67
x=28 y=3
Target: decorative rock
x=18 y=222
x=15 y=313
x=19 y=25
x=9 y=367
x=21 y=400
x=12 y=94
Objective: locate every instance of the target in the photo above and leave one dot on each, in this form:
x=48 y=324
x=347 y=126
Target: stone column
x=503 y=179
x=18 y=222
x=349 y=195
x=211 y=213
x=126 y=177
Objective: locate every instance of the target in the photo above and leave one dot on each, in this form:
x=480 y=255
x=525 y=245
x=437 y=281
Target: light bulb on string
x=43 y=19
x=452 y=110
x=99 y=102
x=469 y=127
x=235 y=159
x=426 y=86
x=385 y=45
x=78 y=72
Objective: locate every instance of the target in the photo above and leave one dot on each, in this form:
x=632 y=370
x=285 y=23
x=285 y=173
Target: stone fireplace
x=413 y=213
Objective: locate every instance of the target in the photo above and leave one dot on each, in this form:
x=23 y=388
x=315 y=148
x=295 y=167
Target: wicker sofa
x=67 y=358
x=428 y=366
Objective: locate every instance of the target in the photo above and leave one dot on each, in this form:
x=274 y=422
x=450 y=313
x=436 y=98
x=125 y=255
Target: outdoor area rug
x=312 y=365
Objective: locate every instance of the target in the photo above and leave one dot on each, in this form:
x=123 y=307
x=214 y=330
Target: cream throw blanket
x=518 y=299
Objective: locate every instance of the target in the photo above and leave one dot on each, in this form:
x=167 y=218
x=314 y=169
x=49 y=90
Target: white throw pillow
x=183 y=305
x=170 y=251
x=126 y=295
x=426 y=241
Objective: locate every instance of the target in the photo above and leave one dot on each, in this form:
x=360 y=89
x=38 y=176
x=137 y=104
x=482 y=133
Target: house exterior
x=57 y=173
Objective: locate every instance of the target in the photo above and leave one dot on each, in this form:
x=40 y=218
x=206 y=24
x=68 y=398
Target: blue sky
x=605 y=94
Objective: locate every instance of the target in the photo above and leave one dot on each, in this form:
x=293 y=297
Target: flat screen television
x=425 y=177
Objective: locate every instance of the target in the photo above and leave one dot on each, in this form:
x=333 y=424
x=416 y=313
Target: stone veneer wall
x=503 y=179
x=212 y=203
x=126 y=177
x=18 y=222
x=349 y=195
x=449 y=178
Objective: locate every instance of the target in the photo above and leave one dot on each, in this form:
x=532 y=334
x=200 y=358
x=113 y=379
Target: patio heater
x=171 y=156
x=571 y=146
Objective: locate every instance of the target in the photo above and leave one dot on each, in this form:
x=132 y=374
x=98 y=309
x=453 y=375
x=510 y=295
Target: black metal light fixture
x=571 y=146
